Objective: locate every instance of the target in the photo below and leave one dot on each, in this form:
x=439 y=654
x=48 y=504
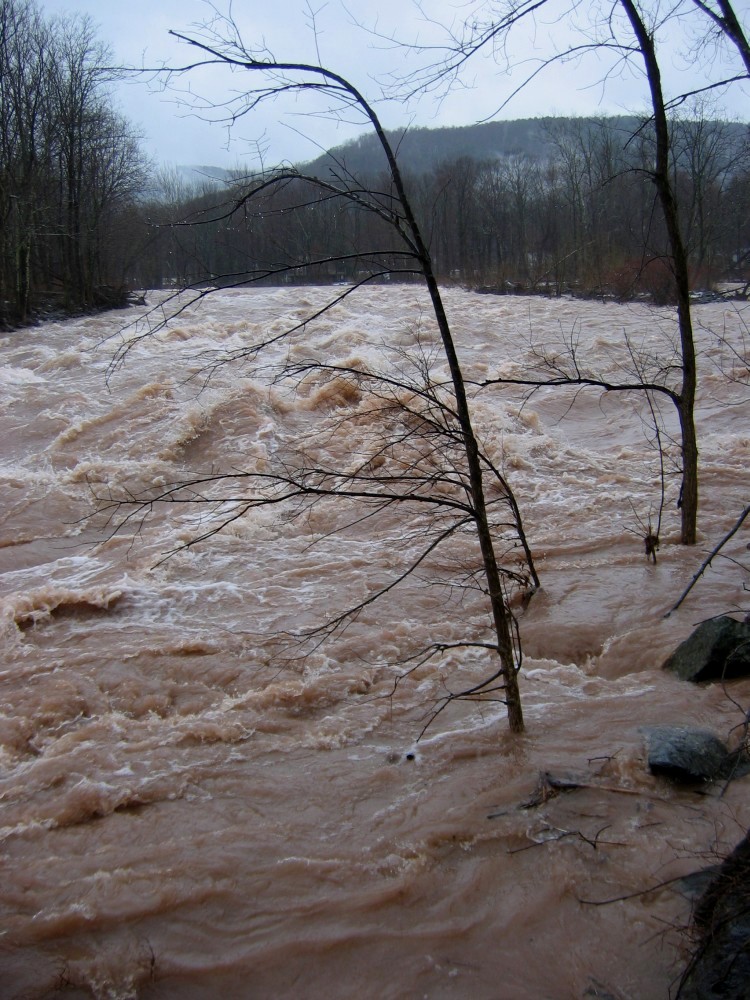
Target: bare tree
x=660 y=174
x=489 y=27
x=24 y=57
x=69 y=164
x=430 y=459
x=728 y=26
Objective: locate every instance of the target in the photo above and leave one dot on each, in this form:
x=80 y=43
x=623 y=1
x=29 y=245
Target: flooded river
x=191 y=807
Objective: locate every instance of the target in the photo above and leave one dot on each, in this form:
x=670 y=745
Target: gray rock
x=718 y=649
x=684 y=754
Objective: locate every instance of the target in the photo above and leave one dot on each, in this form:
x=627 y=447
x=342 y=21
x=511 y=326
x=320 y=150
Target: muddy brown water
x=188 y=812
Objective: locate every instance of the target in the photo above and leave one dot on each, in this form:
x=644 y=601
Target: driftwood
x=549 y=786
x=709 y=558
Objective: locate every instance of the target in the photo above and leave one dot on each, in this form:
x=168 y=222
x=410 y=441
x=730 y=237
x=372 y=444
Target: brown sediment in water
x=187 y=810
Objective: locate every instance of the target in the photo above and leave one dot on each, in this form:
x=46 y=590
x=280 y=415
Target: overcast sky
x=138 y=33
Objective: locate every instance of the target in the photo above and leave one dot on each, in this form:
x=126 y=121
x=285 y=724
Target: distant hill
x=420 y=150
x=195 y=174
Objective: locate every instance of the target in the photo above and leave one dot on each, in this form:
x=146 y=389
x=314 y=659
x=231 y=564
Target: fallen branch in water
x=709 y=558
x=591 y=841
x=549 y=787
x=632 y=895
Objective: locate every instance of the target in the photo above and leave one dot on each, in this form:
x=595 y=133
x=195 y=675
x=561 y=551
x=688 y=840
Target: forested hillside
x=422 y=149
x=545 y=205
x=548 y=204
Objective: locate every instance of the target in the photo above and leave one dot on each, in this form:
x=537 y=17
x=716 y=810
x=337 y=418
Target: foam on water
x=184 y=766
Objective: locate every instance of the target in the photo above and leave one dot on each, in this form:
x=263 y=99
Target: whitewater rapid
x=189 y=809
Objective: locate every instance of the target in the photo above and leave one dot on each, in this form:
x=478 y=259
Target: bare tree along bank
x=70 y=168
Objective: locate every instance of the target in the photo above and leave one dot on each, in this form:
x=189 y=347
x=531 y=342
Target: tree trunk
x=500 y=612
x=665 y=191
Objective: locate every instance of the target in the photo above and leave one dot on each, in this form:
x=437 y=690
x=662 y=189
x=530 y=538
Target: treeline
x=71 y=170
x=82 y=219
x=582 y=217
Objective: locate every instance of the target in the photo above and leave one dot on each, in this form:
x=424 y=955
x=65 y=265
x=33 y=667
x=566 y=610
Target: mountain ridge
x=422 y=149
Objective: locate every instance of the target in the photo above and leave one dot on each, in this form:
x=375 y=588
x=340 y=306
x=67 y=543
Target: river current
x=190 y=809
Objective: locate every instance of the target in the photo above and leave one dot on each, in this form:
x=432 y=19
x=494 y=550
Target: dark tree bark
x=390 y=206
x=662 y=180
x=729 y=24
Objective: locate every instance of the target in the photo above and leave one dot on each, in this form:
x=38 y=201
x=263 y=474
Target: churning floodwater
x=190 y=810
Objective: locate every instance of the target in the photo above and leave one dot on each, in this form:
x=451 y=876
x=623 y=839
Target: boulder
x=685 y=755
x=719 y=649
x=720 y=967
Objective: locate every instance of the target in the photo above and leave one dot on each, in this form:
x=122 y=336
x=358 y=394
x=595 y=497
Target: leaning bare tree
x=428 y=459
